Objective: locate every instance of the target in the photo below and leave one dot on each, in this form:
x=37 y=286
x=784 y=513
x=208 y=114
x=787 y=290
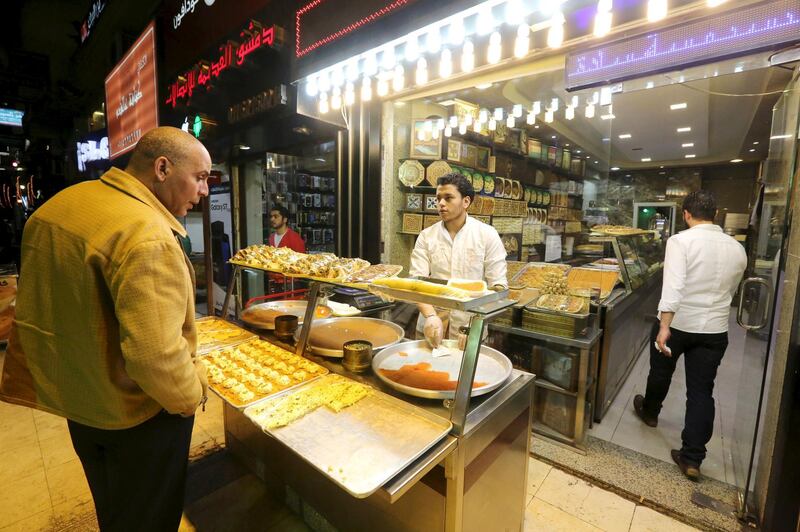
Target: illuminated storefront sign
x=11 y=117
x=131 y=100
x=255 y=36
x=90 y=151
x=187 y=8
x=88 y=22
x=263 y=101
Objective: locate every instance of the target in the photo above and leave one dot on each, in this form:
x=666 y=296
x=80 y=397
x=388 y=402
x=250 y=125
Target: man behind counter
x=457 y=247
x=284 y=237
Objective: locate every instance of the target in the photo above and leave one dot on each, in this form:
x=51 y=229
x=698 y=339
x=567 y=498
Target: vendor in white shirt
x=702 y=269
x=457 y=247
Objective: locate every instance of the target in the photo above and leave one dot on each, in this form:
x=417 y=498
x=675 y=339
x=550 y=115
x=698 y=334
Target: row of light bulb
x=341 y=81
x=432 y=129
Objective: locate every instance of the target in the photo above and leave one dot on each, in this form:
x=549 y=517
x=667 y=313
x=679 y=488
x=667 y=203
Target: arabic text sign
x=91 y=150
x=231 y=54
x=11 y=117
x=131 y=101
x=737 y=32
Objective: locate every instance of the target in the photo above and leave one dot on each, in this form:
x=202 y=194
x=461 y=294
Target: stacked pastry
x=256 y=369
x=288 y=261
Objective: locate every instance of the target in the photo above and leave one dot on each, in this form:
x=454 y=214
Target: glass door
x=761 y=301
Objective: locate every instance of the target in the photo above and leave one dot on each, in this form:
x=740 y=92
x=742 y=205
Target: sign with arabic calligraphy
x=91 y=17
x=737 y=32
x=319 y=22
x=131 y=100
x=231 y=54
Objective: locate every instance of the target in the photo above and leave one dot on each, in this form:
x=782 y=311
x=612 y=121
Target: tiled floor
x=621 y=426
x=44 y=488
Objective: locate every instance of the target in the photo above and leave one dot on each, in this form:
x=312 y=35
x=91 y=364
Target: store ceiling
x=722 y=127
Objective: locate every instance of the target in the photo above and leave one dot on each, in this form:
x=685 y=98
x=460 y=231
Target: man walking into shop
x=457 y=247
x=104 y=333
x=702 y=269
x=283 y=236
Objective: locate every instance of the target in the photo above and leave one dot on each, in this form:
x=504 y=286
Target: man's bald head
x=174 y=166
x=170 y=142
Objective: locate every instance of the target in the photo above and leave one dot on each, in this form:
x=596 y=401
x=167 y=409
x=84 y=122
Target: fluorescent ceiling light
x=609 y=116
x=754 y=144
x=625 y=136
x=447 y=103
x=483 y=86
x=684 y=129
x=736 y=160
x=778 y=137
x=690 y=156
x=615 y=168
x=676 y=106
x=752 y=150
x=687 y=145
x=646 y=159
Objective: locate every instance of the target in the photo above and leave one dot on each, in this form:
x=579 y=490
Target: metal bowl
x=351 y=328
x=493 y=367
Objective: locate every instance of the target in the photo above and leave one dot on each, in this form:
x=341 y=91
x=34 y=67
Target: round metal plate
x=352 y=329
x=493 y=368
x=295 y=308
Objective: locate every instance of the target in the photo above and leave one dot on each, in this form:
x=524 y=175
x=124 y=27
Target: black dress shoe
x=691 y=472
x=638 y=407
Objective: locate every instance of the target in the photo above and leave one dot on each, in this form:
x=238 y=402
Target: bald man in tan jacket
x=104 y=333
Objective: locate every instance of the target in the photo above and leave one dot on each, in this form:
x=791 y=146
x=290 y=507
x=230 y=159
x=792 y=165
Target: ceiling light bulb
x=366 y=89
x=569 y=113
x=555 y=35
x=352 y=70
x=349 y=94
x=517 y=110
x=467 y=56
x=371 y=65
x=337 y=77
x=435 y=134
x=487 y=21
x=454 y=121
x=399 y=79
x=422 y=71
x=324 y=82
x=336 y=98
x=715 y=3
x=388 y=59
x=434 y=41
x=448 y=131
x=492 y=124
x=656 y=10
x=625 y=136
x=537 y=107
x=736 y=160
x=476 y=127
x=548 y=116
x=311 y=86
x=498 y=113
x=602 y=20
x=684 y=129
x=412 y=48
x=495 y=50
x=323 y=103
x=515 y=11
x=462 y=129
x=687 y=145
x=523 y=41
x=457 y=33
x=383 y=87
x=483 y=116
x=554 y=104
x=468 y=119
x=677 y=106
x=590 y=111
x=510 y=121
x=440 y=124
x=531 y=119
x=646 y=159
x=690 y=156
x=446 y=63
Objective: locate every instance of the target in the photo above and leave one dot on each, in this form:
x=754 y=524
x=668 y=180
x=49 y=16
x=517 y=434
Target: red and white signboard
x=131 y=99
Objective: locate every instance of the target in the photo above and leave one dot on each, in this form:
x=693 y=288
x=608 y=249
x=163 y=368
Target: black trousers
x=702 y=356
x=138 y=475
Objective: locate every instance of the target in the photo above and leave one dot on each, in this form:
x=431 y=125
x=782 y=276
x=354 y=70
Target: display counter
x=474 y=478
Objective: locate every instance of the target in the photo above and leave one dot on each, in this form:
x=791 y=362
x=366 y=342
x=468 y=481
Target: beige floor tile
x=22 y=433
x=57 y=451
x=537 y=472
x=648 y=520
x=77 y=514
x=607 y=510
x=543 y=516
x=37 y=522
x=67 y=482
x=10 y=415
x=52 y=427
x=563 y=491
x=24 y=498
x=22 y=463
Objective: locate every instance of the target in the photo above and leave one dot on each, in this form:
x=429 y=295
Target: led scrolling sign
x=255 y=37
x=733 y=33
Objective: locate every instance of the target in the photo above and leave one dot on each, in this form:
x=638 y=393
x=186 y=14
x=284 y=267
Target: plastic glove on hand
x=434 y=330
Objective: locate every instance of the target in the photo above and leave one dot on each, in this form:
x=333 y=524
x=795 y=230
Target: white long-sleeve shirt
x=476 y=252
x=702 y=269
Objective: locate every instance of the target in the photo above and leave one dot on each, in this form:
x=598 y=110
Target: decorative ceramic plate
x=411 y=173
x=488 y=184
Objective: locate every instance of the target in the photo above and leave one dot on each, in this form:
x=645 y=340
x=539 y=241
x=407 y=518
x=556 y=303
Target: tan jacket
x=104 y=331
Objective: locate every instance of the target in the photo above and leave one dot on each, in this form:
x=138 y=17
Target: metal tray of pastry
x=349 y=323
x=365 y=445
x=204 y=349
x=491 y=302
x=493 y=367
x=292 y=307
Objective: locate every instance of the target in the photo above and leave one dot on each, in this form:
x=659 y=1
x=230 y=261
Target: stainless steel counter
x=475 y=481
